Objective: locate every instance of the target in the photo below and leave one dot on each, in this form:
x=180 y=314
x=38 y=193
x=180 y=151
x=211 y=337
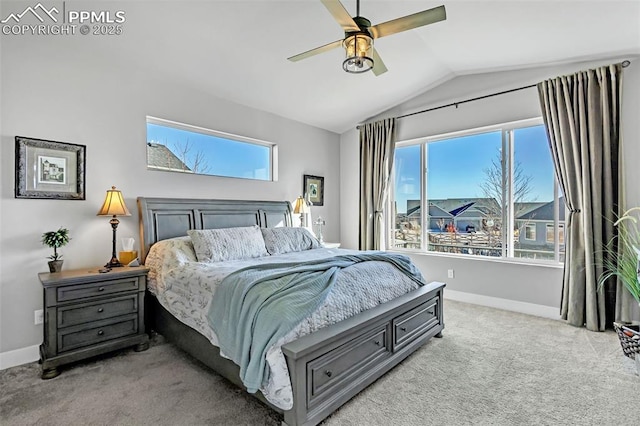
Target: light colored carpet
x=491 y=368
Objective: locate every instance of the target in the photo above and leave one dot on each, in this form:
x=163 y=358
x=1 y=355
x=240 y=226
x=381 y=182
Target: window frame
x=530 y=226
x=508 y=145
x=560 y=234
x=273 y=148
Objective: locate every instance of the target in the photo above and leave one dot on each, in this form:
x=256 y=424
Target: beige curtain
x=582 y=117
x=377 y=147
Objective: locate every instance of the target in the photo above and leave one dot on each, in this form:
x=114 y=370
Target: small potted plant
x=623 y=263
x=55 y=240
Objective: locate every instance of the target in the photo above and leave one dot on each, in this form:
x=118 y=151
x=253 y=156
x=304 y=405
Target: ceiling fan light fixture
x=359 y=53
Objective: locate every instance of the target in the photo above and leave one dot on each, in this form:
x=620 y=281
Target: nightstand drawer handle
x=377 y=342
x=101 y=289
x=403 y=328
x=100 y=310
x=328 y=373
x=100 y=333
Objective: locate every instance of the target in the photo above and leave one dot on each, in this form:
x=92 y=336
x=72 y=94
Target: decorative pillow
x=285 y=240
x=217 y=245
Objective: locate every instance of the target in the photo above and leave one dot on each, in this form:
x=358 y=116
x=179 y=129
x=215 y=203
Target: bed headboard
x=162 y=218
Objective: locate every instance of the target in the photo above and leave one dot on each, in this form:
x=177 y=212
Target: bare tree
x=197 y=162
x=492 y=188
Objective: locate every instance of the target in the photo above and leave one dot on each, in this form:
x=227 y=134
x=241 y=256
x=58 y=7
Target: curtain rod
x=625 y=64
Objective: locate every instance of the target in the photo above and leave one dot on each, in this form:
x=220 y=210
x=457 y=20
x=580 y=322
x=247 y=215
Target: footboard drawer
x=414 y=323
x=328 y=367
x=342 y=364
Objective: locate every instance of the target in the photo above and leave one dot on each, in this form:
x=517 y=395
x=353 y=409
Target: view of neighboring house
x=162 y=158
x=473 y=226
x=536 y=226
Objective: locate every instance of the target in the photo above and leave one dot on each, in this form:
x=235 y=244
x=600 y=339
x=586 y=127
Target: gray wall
x=519 y=283
x=67 y=89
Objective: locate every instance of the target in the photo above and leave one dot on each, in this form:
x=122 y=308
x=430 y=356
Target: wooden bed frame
x=328 y=367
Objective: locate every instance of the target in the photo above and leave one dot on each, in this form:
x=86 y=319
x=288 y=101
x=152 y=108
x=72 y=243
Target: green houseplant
x=621 y=261
x=55 y=240
x=622 y=249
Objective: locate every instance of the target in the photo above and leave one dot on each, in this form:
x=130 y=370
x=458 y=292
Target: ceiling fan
x=361 y=56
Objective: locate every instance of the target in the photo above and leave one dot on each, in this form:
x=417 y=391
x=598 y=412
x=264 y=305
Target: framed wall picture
x=313 y=188
x=48 y=169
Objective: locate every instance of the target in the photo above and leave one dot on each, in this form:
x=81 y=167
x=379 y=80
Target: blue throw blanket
x=255 y=306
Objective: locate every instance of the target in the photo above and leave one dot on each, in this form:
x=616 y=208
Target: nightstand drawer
x=82 y=313
x=74 y=292
x=96 y=333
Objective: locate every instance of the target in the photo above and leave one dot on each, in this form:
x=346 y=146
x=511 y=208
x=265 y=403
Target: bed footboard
x=332 y=365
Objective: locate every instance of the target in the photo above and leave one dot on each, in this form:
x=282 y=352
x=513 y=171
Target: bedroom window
x=183 y=148
x=482 y=192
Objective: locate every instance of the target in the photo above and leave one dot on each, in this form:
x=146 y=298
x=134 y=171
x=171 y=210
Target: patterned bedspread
x=186 y=287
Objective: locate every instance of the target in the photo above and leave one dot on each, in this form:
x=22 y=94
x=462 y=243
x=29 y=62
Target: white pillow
x=165 y=256
x=284 y=240
x=217 y=245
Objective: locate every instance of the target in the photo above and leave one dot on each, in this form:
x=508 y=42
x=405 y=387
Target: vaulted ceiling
x=237 y=50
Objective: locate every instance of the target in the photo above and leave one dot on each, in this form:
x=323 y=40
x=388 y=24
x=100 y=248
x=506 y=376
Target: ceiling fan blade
x=341 y=15
x=378 y=66
x=409 y=22
x=315 y=51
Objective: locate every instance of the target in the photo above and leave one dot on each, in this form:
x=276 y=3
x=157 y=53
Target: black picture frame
x=313 y=188
x=49 y=169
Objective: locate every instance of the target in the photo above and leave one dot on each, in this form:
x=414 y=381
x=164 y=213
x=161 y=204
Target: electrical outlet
x=450 y=273
x=38 y=316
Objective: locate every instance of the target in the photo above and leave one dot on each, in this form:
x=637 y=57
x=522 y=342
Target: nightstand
x=330 y=245
x=88 y=313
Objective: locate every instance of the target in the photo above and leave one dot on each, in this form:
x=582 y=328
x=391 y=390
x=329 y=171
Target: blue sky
x=456 y=166
x=224 y=157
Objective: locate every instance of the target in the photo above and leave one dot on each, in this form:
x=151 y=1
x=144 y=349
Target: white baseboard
x=19 y=356
x=506 y=304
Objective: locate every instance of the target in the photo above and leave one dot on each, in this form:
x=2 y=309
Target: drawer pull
x=100 y=310
x=101 y=289
x=377 y=342
x=403 y=328
x=100 y=333
x=328 y=373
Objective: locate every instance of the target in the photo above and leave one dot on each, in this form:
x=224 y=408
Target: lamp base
x=113 y=263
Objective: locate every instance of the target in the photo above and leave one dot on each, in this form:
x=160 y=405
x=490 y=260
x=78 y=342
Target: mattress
x=185 y=288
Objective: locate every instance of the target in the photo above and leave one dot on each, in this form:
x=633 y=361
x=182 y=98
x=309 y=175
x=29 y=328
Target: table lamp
x=301 y=208
x=114 y=206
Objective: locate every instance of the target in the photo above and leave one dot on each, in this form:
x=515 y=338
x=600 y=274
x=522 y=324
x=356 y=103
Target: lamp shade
x=301 y=206
x=359 y=53
x=114 y=204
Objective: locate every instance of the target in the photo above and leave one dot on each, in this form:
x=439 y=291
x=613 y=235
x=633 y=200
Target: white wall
x=508 y=284
x=67 y=89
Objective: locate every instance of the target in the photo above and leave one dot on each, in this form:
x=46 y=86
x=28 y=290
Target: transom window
x=183 y=148
x=483 y=192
